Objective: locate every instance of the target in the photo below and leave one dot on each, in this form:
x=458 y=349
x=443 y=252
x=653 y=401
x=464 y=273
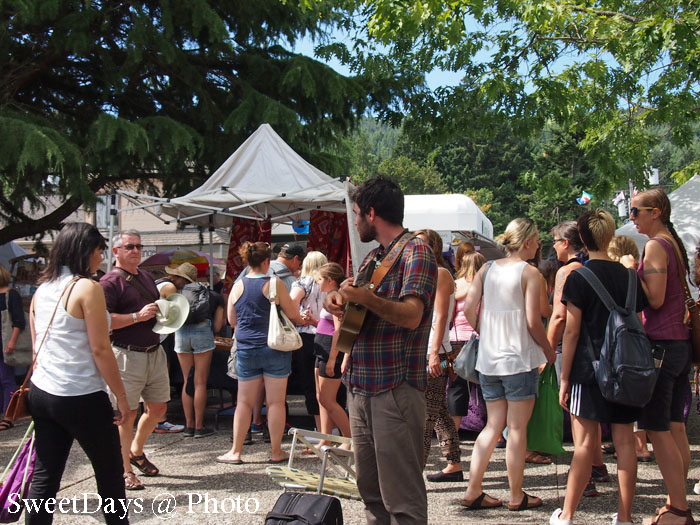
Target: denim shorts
x=258 y=362
x=195 y=338
x=516 y=387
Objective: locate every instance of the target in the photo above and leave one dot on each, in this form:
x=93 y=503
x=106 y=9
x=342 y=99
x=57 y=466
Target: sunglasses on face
x=557 y=240
x=129 y=247
x=634 y=211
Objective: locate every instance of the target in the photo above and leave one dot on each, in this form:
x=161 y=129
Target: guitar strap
x=388 y=261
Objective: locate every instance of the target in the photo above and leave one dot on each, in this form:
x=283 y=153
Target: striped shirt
x=385 y=355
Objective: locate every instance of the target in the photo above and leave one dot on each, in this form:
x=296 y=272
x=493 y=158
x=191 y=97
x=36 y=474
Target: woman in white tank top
x=67 y=397
x=437 y=415
x=513 y=343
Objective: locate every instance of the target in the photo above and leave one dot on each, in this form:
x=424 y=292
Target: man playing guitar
x=386 y=374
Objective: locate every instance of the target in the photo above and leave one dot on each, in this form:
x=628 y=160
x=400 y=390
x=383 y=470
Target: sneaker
x=168 y=428
x=257 y=428
x=554 y=519
x=600 y=474
x=188 y=432
x=615 y=522
x=248 y=439
x=203 y=432
x=590 y=491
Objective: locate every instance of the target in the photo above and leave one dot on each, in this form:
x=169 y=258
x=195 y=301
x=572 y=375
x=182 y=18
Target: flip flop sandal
x=141 y=462
x=526 y=503
x=538 y=459
x=131 y=482
x=6 y=424
x=480 y=503
x=668 y=509
x=230 y=461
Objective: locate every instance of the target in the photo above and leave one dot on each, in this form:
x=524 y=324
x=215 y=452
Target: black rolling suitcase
x=301 y=508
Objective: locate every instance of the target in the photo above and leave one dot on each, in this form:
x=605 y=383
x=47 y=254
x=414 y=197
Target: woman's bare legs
x=484 y=445
x=275 y=394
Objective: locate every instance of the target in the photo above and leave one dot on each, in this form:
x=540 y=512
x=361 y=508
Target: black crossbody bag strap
x=129 y=278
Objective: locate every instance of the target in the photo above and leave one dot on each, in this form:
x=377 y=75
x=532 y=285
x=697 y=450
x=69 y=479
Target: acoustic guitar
x=354 y=316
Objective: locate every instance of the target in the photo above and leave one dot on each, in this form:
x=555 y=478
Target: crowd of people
x=528 y=314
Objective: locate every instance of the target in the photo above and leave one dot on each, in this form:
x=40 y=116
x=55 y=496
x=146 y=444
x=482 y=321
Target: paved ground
x=243 y=494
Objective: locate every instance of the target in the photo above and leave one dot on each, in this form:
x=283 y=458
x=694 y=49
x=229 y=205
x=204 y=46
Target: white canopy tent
x=263 y=180
x=685 y=216
x=9 y=251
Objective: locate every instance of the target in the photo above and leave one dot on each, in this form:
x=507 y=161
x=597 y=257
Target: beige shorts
x=145 y=376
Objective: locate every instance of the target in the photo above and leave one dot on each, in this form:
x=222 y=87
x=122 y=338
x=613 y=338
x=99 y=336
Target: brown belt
x=135 y=348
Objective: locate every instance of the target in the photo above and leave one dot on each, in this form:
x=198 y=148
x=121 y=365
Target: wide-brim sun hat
x=185 y=270
x=172 y=314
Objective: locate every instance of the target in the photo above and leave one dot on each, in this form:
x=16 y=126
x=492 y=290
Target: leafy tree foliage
x=608 y=71
x=94 y=92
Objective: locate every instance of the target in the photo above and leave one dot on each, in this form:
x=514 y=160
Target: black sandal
x=6 y=424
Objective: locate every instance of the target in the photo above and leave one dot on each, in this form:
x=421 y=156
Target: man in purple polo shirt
x=131 y=294
x=386 y=375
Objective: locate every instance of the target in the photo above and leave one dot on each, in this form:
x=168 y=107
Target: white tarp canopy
x=685 y=216
x=454 y=212
x=263 y=179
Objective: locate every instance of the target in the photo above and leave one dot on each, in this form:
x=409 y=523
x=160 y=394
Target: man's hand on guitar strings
x=334 y=304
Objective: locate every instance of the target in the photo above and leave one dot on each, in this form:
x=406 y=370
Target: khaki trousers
x=387 y=435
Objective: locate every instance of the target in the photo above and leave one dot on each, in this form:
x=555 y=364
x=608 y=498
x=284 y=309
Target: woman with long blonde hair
x=458 y=390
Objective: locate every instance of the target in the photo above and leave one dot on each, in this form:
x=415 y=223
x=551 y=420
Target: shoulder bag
x=22 y=356
x=465 y=363
x=18 y=407
x=282 y=334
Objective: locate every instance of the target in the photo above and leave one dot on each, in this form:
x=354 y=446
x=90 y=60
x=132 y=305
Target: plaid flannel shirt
x=385 y=355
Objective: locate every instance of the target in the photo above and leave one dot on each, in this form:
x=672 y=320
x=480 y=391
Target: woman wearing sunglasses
x=664 y=324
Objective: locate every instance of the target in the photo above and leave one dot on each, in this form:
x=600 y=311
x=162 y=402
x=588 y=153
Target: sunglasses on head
x=129 y=247
x=634 y=211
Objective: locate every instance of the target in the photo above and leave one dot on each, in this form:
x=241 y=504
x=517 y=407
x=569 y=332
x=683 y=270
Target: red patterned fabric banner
x=328 y=234
x=243 y=230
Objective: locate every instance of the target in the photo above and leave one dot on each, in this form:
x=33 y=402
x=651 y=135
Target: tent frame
x=153 y=205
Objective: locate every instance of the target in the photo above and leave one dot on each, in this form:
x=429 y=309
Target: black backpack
x=626 y=371
x=198 y=296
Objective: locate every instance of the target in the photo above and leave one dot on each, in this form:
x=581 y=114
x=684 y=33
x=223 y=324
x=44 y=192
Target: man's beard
x=368 y=233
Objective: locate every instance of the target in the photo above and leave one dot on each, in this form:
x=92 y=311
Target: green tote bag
x=545 y=431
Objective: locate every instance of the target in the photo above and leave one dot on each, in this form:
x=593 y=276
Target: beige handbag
x=282 y=334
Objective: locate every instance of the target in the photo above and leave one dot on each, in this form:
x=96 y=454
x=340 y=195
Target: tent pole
x=211 y=252
x=112 y=213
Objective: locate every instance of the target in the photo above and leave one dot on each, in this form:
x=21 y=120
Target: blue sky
x=434 y=79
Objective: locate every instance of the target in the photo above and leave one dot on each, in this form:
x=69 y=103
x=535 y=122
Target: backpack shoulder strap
x=631 y=301
x=598 y=287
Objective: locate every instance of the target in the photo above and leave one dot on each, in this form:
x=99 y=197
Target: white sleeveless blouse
x=506 y=346
x=65 y=366
x=445 y=346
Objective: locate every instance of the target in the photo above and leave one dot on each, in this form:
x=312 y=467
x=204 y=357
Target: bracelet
x=135 y=318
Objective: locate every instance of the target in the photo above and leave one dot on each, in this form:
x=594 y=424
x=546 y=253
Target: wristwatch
x=135 y=318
